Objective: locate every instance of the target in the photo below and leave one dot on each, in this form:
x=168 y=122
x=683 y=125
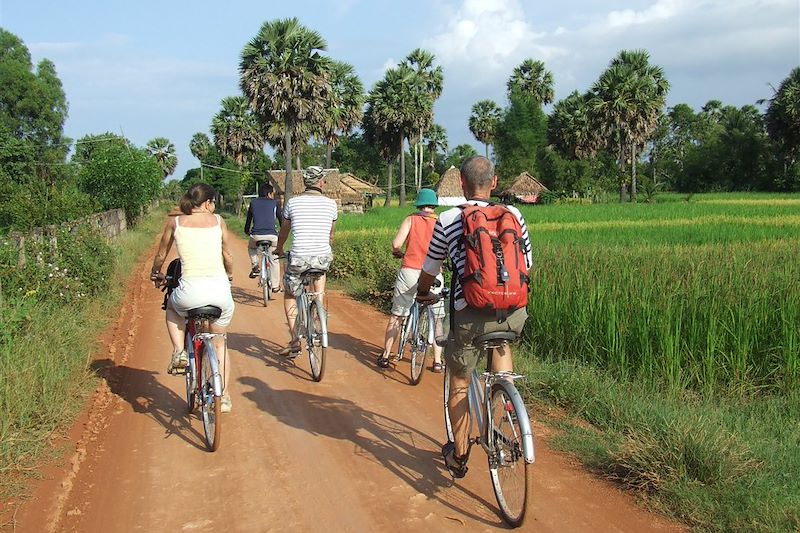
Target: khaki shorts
x=297 y=264
x=405 y=292
x=459 y=354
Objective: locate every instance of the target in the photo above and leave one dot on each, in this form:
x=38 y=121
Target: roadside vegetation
x=662 y=342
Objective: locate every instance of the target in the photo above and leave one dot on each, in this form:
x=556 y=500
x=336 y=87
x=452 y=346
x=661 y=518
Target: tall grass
x=45 y=349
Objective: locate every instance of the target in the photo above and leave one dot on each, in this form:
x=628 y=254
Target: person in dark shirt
x=263 y=217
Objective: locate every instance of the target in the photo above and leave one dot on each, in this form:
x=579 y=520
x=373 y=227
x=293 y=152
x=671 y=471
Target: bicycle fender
x=214 y=368
x=524 y=423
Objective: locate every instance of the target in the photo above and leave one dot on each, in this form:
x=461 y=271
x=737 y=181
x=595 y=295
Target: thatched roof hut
x=359 y=185
x=526 y=189
x=347 y=198
x=448 y=188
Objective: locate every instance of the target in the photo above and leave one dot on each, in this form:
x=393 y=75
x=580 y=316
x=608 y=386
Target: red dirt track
x=357 y=452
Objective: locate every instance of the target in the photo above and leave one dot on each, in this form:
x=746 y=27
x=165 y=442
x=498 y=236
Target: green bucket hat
x=426 y=197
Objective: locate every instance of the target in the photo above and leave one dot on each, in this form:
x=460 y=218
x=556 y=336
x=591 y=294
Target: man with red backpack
x=490 y=250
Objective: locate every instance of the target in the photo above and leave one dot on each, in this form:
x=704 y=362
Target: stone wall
x=110 y=223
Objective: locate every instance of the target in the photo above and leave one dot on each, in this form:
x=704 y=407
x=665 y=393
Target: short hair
x=477 y=172
x=266 y=189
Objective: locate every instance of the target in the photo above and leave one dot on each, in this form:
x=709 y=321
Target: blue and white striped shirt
x=446 y=241
x=312 y=215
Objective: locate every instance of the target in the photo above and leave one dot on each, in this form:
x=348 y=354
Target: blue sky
x=149 y=69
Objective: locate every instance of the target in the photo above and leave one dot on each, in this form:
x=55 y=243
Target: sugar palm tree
x=286 y=79
x=381 y=134
x=483 y=122
x=435 y=140
x=345 y=109
x=199 y=146
x=237 y=132
x=569 y=127
x=163 y=151
x=429 y=82
x=783 y=117
x=532 y=79
x=627 y=101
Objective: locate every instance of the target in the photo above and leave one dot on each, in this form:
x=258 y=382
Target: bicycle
x=204 y=383
x=264 y=278
x=504 y=429
x=312 y=323
x=418 y=330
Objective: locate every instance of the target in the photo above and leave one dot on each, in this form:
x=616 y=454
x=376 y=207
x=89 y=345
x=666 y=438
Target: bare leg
x=392 y=332
x=319 y=288
x=290 y=307
x=437 y=353
x=176 y=326
x=457 y=406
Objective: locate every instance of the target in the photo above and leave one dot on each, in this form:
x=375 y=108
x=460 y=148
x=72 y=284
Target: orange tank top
x=418 y=240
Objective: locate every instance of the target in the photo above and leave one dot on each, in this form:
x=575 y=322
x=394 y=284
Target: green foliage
x=117 y=175
x=354 y=154
x=520 y=136
x=458 y=155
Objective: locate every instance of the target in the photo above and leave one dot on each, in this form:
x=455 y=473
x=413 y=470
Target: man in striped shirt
x=461 y=357
x=311 y=218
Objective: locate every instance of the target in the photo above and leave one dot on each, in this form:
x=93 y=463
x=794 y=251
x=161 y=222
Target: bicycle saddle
x=267 y=244
x=207 y=311
x=494 y=340
x=313 y=272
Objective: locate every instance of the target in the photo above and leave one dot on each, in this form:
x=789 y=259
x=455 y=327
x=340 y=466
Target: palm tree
x=163 y=151
x=532 y=79
x=435 y=140
x=783 y=117
x=628 y=101
x=569 y=127
x=384 y=139
x=345 y=110
x=286 y=79
x=430 y=82
x=199 y=146
x=237 y=132
x=483 y=122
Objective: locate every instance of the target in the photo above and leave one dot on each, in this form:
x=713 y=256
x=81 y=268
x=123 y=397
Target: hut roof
x=334 y=187
x=359 y=185
x=449 y=185
x=524 y=185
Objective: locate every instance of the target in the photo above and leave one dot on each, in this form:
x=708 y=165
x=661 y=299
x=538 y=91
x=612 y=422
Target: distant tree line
x=45 y=177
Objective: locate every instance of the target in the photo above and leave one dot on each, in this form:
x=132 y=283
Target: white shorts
x=198 y=292
x=405 y=292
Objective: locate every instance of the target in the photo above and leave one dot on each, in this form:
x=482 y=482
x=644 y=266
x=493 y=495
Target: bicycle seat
x=494 y=340
x=313 y=272
x=265 y=244
x=207 y=311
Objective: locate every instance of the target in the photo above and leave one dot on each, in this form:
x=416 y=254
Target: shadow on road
x=401 y=449
x=141 y=389
x=367 y=354
x=267 y=351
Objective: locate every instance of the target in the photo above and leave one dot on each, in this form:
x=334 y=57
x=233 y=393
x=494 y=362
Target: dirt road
x=357 y=452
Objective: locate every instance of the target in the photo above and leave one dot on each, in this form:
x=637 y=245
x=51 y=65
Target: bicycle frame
x=194 y=342
x=411 y=323
x=303 y=307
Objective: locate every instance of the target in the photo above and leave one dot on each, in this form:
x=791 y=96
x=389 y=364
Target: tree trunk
x=402 y=195
x=388 y=200
x=421 y=163
x=297 y=163
x=486 y=145
x=633 y=172
x=287 y=155
x=328 y=155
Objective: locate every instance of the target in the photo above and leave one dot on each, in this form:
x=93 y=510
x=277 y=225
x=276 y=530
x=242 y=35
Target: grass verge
x=44 y=369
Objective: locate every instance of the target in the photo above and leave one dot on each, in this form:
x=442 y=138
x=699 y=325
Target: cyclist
x=461 y=357
x=202 y=241
x=311 y=219
x=415 y=232
x=264 y=214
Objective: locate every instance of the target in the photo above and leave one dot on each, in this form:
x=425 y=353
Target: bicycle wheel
x=210 y=403
x=266 y=290
x=406 y=329
x=191 y=372
x=316 y=348
x=508 y=469
x=419 y=345
x=448 y=426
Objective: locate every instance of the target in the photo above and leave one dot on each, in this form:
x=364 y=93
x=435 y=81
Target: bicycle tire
x=419 y=345
x=266 y=290
x=509 y=471
x=210 y=403
x=448 y=425
x=314 y=341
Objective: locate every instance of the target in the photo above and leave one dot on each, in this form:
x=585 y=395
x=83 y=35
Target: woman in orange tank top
x=415 y=233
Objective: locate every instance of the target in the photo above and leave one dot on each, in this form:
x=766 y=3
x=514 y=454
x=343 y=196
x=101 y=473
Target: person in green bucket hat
x=415 y=234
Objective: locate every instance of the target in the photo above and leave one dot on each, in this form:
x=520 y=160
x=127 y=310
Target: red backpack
x=495 y=272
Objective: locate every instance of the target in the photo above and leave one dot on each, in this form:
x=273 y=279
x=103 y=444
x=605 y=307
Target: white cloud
x=49 y=48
